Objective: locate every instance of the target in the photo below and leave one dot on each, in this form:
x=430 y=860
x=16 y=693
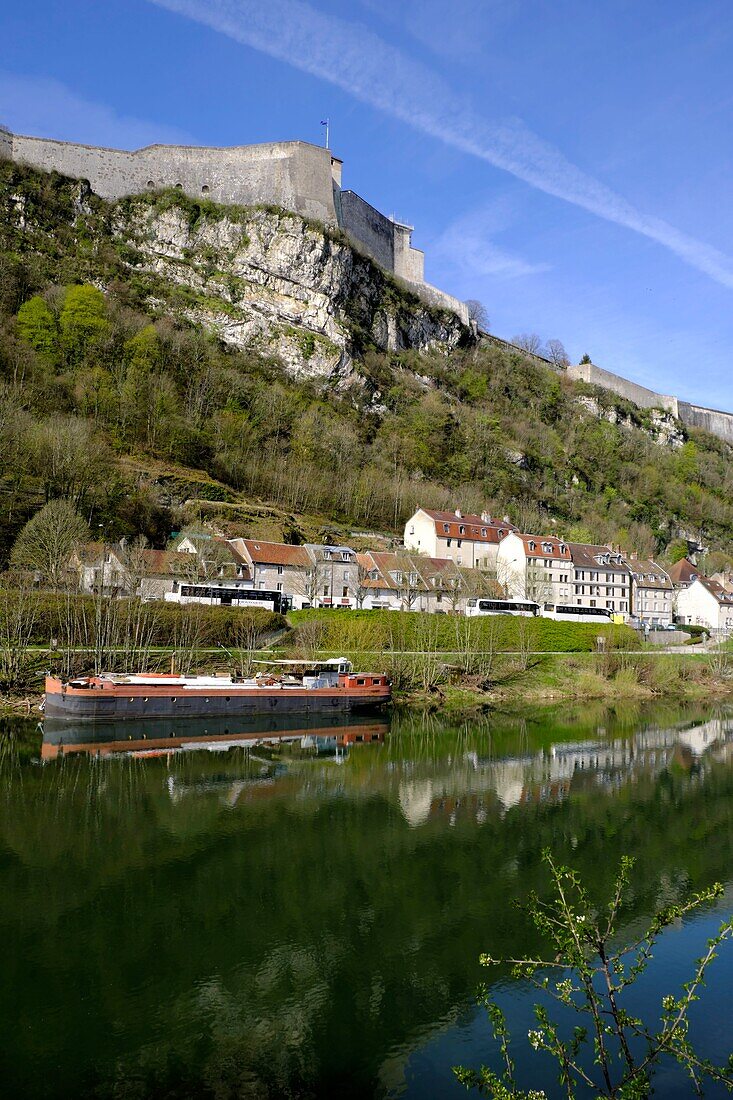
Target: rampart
x=295 y=175
x=692 y=416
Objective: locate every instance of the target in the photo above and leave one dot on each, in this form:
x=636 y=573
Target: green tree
x=37 y=325
x=677 y=550
x=83 y=320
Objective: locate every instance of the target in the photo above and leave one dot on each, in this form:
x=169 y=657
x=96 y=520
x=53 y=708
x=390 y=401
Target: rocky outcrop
x=270 y=280
x=660 y=426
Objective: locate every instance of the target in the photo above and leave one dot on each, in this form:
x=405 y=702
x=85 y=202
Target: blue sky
x=567 y=163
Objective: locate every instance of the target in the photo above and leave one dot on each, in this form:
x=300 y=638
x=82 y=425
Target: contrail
x=355 y=59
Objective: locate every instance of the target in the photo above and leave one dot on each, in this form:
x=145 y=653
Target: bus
x=578 y=614
x=526 y=608
x=222 y=596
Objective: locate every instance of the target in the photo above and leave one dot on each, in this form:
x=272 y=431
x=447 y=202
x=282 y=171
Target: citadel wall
x=692 y=416
x=291 y=174
x=640 y=395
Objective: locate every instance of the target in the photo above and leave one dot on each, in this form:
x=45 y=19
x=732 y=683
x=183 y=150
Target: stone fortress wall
x=295 y=175
x=692 y=416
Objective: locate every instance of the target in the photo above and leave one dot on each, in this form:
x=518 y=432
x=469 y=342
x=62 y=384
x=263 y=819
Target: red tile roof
x=276 y=553
x=470 y=527
x=556 y=548
x=683 y=572
x=717 y=591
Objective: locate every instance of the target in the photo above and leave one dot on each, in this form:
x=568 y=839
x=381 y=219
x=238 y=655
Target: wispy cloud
x=355 y=59
x=39 y=105
x=467 y=246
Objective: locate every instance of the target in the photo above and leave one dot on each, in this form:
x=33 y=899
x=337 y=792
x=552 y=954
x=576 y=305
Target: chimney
x=485 y=516
x=507 y=520
x=458 y=513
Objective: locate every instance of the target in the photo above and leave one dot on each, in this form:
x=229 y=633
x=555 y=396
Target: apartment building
x=601 y=578
x=536 y=567
x=468 y=540
x=652 y=593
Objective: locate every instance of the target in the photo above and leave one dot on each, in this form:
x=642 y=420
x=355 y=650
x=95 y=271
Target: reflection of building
x=474 y=786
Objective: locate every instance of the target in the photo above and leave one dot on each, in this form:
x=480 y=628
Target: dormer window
x=461 y=529
x=446 y=527
x=531 y=545
x=398 y=577
x=483 y=532
x=346 y=555
x=413 y=578
x=327 y=555
x=547 y=548
x=502 y=532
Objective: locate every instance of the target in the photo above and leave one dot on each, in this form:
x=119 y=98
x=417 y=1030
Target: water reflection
x=269 y=919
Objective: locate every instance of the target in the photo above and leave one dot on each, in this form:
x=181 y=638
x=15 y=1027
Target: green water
x=265 y=921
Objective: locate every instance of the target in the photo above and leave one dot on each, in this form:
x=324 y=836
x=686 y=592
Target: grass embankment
x=461 y=664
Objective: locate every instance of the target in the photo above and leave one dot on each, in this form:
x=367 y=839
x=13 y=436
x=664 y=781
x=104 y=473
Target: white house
x=706 y=603
x=535 y=567
x=469 y=540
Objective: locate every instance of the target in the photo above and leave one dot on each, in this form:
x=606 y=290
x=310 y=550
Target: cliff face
x=258 y=277
x=264 y=278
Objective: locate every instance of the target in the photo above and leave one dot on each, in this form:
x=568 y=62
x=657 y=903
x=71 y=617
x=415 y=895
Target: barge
x=326 y=687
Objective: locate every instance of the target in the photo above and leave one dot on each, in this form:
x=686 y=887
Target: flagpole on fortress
x=326 y=122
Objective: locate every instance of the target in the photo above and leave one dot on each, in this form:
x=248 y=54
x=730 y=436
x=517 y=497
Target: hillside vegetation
x=107 y=381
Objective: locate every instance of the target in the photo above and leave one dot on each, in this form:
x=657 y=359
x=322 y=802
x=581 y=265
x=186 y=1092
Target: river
x=226 y=913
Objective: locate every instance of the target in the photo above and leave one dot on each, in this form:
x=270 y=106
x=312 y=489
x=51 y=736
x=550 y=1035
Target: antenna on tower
x=327 y=123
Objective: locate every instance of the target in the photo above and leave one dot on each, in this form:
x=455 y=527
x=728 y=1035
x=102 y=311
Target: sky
x=567 y=163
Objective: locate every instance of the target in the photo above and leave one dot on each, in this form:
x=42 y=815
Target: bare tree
x=135 y=565
x=477 y=312
x=529 y=342
x=362 y=584
x=556 y=353
x=49 y=539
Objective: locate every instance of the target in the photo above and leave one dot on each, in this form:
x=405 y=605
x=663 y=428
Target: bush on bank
x=414 y=631
x=71 y=619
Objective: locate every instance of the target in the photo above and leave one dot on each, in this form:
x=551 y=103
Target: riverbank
x=439 y=682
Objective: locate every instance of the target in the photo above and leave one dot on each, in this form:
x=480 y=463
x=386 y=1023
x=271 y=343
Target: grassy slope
x=232 y=431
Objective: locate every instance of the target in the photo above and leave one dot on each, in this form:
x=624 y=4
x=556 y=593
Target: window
x=448 y=542
x=327 y=555
x=459 y=542
x=346 y=574
x=446 y=527
x=345 y=591
x=461 y=530
x=279 y=586
x=483 y=532
x=593 y=603
x=531 y=545
x=205 y=189
x=412 y=529
x=345 y=555
x=325 y=590
x=261 y=584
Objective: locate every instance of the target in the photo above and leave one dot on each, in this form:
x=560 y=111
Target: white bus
x=526 y=608
x=223 y=596
x=579 y=614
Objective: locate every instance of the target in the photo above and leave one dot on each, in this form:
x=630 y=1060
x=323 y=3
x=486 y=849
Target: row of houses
x=448 y=558
x=551 y=570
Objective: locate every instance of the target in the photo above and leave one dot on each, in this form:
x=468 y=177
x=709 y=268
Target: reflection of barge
x=327 y=687
x=158 y=738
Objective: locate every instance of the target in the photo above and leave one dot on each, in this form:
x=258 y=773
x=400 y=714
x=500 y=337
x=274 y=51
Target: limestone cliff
x=265 y=278
x=259 y=276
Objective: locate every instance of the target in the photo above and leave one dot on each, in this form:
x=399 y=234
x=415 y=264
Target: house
x=704 y=602
x=275 y=566
x=536 y=567
x=724 y=578
x=331 y=575
x=469 y=540
x=683 y=573
x=652 y=593
x=100 y=568
x=159 y=571
x=379 y=584
x=411 y=582
x=601 y=578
